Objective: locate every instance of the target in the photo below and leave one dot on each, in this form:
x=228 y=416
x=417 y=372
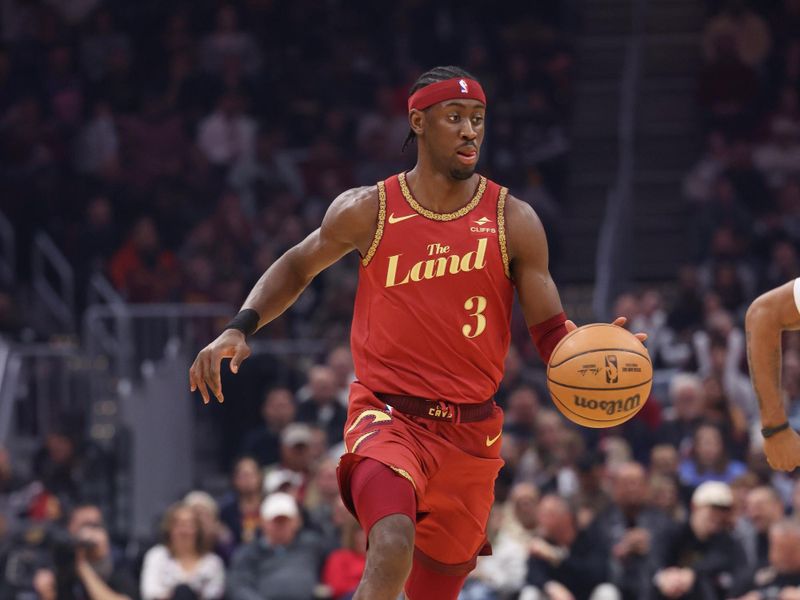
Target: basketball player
x=769 y=315
x=442 y=250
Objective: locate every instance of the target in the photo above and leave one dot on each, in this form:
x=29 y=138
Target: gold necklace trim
x=501 y=230
x=379 y=229
x=401 y=178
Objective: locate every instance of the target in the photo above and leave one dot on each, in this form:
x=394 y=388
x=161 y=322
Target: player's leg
x=425 y=583
x=386 y=506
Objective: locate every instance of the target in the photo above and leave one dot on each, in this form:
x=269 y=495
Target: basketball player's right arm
x=769 y=315
x=349 y=224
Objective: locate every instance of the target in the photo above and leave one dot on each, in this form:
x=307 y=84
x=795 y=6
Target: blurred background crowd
x=179 y=148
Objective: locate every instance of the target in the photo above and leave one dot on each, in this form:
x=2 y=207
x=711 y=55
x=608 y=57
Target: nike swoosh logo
x=490 y=441
x=393 y=219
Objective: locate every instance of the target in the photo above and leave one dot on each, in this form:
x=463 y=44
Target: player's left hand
x=783 y=450
x=619 y=322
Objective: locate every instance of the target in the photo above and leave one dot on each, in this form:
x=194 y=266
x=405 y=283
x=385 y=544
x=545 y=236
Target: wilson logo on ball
x=610 y=407
x=612 y=371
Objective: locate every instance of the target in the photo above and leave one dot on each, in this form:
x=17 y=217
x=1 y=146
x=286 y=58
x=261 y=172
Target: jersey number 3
x=478 y=305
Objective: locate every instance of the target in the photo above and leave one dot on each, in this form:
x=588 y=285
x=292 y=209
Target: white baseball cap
x=713 y=493
x=279 y=504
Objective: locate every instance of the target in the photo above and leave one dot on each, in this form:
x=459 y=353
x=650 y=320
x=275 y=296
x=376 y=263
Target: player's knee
x=392 y=538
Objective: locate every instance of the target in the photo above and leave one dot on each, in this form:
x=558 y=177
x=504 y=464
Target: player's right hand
x=783 y=450
x=204 y=372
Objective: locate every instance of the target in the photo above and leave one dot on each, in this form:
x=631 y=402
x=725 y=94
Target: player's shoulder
x=353 y=215
x=521 y=216
x=358 y=203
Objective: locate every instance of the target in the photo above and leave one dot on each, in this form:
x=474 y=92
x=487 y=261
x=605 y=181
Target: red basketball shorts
x=451 y=466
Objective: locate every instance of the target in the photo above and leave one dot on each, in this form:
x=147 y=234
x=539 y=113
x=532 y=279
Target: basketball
x=599 y=375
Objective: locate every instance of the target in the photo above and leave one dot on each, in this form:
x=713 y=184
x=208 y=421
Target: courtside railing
x=53 y=281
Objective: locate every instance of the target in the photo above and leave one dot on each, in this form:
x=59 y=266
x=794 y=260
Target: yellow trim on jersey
x=403 y=473
x=401 y=178
x=501 y=229
x=379 y=229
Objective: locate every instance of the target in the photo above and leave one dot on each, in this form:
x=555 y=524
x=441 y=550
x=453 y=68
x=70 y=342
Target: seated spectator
x=216 y=535
x=294 y=466
x=781 y=579
x=340 y=359
x=85 y=562
x=687 y=398
x=181 y=567
x=70 y=467
x=227 y=42
x=143 y=270
x=228 y=134
x=501 y=574
x=709 y=459
x=591 y=498
x=322 y=499
x=522 y=407
x=747 y=28
x=345 y=566
x=763 y=508
x=701 y=559
x=632 y=530
x=319 y=404
x=664 y=495
x=239 y=508
x=728 y=86
x=283 y=563
x=564 y=558
x=100 y=575
x=263 y=443
x=519 y=519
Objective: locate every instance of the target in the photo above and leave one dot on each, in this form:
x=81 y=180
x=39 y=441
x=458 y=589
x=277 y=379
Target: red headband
x=450 y=89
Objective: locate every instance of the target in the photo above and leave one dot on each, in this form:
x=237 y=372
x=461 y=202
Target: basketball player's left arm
x=529 y=265
x=768 y=316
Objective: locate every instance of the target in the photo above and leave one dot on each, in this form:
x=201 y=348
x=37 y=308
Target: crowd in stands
x=179 y=148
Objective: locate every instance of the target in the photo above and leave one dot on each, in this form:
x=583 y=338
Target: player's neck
x=439 y=192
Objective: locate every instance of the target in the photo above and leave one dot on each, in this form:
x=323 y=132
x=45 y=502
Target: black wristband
x=768 y=432
x=246 y=321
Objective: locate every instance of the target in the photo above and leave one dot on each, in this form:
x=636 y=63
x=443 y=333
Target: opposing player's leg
x=386 y=506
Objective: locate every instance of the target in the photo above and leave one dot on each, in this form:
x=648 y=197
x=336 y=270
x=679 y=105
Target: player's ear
x=416 y=119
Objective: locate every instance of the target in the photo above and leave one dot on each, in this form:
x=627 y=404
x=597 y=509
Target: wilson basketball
x=599 y=375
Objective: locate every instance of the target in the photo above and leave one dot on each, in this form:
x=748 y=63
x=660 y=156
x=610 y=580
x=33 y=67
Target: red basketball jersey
x=433 y=307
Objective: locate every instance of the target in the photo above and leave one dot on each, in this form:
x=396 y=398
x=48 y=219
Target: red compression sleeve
x=548 y=333
x=379 y=492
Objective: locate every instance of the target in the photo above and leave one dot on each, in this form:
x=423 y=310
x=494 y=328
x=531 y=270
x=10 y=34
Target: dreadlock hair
x=435 y=75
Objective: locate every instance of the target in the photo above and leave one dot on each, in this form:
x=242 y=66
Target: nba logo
x=612 y=372
x=463 y=85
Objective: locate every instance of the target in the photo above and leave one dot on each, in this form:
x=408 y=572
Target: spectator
x=687 y=398
x=701 y=559
x=227 y=43
x=101 y=577
x=340 y=360
x=709 y=459
x=181 y=568
x=295 y=462
x=501 y=574
x=142 y=270
x=632 y=530
x=746 y=29
x=763 y=508
x=319 y=405
x=522 y=408
x=283 y=563
x=782 y=579
x=564 y=558
x=344 y=567
x=664 y=495
x=228 y=134
x=322 y=499
x=239 y=509
x=216 y=535
x=278 y=410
